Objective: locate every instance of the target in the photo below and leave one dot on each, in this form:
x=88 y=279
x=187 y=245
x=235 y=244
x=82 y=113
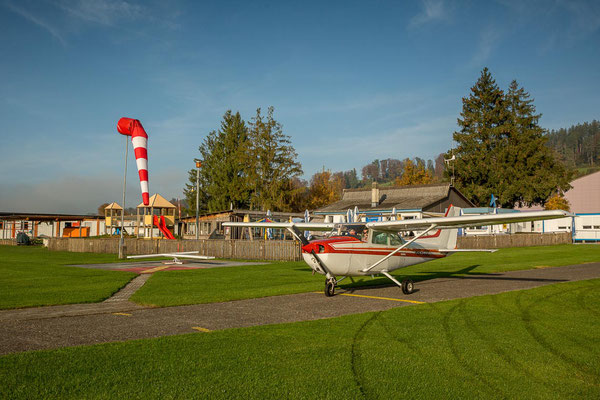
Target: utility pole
x=121 y=255
x=198 y=165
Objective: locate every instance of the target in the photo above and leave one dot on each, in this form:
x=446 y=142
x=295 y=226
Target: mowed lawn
x=34 y=276
x=170 y=288
x=535 y=344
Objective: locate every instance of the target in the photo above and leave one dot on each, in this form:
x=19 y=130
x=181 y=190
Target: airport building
x=383 y=204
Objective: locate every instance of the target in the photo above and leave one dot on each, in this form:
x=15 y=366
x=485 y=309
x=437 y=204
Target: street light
x=198 y=165
x=121 y=240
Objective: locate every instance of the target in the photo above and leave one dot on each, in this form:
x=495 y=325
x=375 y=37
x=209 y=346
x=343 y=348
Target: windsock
x=139 y=138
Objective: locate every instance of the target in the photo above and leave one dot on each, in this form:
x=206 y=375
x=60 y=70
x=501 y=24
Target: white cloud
x=433 y=10
x=105 y=12
x=50 y=28
x=488 y=41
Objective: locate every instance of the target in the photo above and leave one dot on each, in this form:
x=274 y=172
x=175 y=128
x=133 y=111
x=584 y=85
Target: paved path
x=60 y=326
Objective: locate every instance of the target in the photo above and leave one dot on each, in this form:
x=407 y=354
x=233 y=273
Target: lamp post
x=198 y=165
x=121 y=255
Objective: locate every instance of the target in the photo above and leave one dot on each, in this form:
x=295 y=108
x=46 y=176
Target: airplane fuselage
x=349 y=256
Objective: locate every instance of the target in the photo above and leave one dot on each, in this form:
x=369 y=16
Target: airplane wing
x=465 y=221
x=183 y=254
x=302 y=226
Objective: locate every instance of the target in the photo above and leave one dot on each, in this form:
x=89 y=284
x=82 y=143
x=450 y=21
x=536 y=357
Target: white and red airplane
x=380 y=249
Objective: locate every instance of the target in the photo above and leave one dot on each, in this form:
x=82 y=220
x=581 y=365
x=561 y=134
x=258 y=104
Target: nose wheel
x=330 y=287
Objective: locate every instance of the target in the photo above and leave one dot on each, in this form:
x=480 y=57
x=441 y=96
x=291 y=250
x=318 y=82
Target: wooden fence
x=8 y=242
x=284 y=250
x=514 y=240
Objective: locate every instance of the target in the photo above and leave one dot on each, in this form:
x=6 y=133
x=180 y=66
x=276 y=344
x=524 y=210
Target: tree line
x=578 y=146
x=500 y=149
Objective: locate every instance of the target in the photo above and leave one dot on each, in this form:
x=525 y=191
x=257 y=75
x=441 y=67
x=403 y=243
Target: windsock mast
x=139 y=139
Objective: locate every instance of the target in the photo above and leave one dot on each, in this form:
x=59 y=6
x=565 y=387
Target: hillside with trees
x=578 y=145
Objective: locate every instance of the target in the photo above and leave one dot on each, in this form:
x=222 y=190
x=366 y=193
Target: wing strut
x=399 y=248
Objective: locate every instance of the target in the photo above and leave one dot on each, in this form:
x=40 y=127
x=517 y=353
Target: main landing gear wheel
x=329 y=287
x=408 y=286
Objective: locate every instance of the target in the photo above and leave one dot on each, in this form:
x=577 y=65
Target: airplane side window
x=395 y=240
x=380 y=238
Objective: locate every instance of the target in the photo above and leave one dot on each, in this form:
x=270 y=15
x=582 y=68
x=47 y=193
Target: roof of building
x=415 y=197
x=113 y=206
x=157 y=201
x=15 y=216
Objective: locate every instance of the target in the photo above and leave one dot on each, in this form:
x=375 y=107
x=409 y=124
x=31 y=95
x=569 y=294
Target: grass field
x=34 y=276
x=535 y=344
x=170 y=288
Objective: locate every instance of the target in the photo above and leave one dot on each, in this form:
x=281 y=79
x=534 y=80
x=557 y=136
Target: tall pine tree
x=501 y=148
x=223 y=175
x=484 y=131
x=535 y=171
x=271 y=164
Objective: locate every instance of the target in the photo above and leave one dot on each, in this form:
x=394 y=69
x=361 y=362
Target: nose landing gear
x=330 y=284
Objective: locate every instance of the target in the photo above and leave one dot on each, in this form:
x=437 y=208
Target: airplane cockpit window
x=385 y=238
x=396 y=240
x=380 y=238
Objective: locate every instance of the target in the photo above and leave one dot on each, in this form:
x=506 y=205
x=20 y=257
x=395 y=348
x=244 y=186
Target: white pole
x=198 y=164
x=121 y=255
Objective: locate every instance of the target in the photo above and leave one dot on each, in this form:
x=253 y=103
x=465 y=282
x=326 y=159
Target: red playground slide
x=162 y=226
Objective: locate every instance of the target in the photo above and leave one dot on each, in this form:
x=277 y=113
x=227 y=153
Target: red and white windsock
x=139 y=138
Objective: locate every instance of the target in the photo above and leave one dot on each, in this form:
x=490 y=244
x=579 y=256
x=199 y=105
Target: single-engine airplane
x=378 y=248
x=176 y=256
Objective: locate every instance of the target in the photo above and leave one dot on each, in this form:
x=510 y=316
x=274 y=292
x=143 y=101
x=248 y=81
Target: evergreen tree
x=532 y=170
x=501 y=148
x=223 y=175
x=271 y=163
x=484 y=129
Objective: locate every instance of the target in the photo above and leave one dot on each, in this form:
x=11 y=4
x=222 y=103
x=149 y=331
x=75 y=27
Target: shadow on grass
x=465 y=273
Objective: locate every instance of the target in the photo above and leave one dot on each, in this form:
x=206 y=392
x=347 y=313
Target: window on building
x=587 y=227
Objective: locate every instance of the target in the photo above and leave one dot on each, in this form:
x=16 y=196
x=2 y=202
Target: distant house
x=49 y=225
x=584 y=200
x=403 y=202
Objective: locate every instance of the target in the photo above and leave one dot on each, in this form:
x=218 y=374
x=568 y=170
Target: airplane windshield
x=356 y=231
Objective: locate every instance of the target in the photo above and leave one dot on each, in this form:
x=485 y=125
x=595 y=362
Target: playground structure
x=112 y=217
x=159 y=213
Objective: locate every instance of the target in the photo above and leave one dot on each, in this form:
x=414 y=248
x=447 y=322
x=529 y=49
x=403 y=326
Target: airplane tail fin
x=443 y=238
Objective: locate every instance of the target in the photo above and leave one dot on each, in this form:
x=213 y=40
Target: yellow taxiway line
x=155 y=269
x=122 y=313
x=200 y=329
x=381 y=298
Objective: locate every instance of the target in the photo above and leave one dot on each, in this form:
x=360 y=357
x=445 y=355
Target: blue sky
x=350 y=82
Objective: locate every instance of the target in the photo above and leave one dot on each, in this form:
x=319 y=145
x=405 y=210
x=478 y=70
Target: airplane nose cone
x=307 y=248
